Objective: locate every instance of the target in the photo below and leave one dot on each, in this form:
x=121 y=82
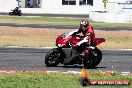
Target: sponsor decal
x=85 y=81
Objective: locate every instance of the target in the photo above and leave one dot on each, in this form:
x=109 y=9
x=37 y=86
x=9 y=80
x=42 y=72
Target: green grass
x=46 y=20
x=53 y=80
x=58 y=21
x=100 y=24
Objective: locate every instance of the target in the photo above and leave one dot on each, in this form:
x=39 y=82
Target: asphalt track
x=33 y=59
x=51 y=15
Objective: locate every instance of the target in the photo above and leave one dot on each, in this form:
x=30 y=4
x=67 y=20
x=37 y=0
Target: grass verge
x=56 y=21
x=53 y=80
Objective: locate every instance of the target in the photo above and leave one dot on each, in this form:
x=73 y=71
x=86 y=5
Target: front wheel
x=52 y=58
x=10 y=13
x=19 y=13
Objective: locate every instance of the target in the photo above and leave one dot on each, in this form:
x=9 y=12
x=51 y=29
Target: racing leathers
x=88 y=34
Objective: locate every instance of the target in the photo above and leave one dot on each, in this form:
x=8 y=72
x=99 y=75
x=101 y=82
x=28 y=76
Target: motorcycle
x=16 y=12
x=67 y=54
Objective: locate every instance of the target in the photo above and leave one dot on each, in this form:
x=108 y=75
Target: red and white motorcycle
x=87 y=55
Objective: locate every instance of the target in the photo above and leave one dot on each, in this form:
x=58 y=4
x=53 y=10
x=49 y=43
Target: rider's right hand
x=68 y=36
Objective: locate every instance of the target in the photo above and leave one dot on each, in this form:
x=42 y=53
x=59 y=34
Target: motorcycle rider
x=88 y=33
x=88 y=37
x=16 y=10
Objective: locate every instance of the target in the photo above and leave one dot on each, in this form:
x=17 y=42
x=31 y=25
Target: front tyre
x=52 y=58
x=10 y=13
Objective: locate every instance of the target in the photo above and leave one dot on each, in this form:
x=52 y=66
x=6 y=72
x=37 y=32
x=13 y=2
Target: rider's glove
x=91 y=47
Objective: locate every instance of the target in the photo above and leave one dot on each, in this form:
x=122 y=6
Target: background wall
x=119 y=11
x=7 y=5
x=55 y=6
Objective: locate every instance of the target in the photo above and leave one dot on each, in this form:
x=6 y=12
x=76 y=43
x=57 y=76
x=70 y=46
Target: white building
x=118 y=11
x=72 y=6
x=66 y=6
x=54 y=6
x=112 y=7
x=7 y=5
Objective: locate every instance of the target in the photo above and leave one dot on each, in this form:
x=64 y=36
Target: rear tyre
x=93 y=59
x=89 y=62
x=19 y=13
x=98 y=56
x=52 y=58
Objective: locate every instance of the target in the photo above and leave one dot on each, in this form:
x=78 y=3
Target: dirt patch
x=116 y=39
x=28 y=37
x=45 y=37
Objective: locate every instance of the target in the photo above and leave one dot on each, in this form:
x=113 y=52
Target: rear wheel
x=98 y=56
x=93 y=59
x=89 y=61
x=19 y=13
x=52 y=58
